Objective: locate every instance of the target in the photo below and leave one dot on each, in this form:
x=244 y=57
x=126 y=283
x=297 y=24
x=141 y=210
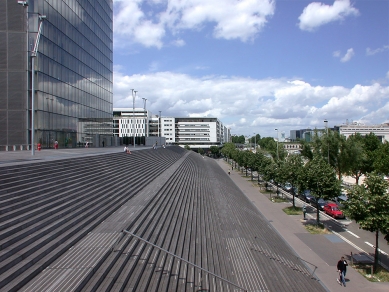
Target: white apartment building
x=168 y=129
x=128 y=121
x=195 y=132
x=381 y=131
x=199 y=132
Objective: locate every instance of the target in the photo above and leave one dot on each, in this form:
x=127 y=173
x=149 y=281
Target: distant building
x=304 y=134
x=200 y=132
x=381 y=131
x=128 y=122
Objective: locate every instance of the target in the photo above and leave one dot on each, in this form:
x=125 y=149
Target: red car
x=333 y=210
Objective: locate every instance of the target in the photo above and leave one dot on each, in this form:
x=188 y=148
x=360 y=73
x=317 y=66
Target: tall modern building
x=65 y=47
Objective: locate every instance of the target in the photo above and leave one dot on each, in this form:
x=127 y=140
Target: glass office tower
x=73 y=99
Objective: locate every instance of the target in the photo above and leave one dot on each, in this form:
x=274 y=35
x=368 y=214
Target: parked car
x=287 y=187
x=318 y=203
x=306 y=196
x=333 y=210
x=341 y=199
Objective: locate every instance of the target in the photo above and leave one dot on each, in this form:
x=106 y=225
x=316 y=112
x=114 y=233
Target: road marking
x=368 y=243
x=353 y=234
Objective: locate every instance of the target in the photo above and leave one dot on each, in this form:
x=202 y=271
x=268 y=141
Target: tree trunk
x=376 y=252
x=317 y=215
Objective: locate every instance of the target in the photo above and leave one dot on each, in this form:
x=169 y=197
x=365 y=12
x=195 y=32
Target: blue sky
x=256 y=65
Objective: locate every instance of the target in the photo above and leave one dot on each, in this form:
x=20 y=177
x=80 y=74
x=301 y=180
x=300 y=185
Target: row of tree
x=320 y=168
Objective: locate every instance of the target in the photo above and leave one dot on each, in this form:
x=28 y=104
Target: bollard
x=305 y=212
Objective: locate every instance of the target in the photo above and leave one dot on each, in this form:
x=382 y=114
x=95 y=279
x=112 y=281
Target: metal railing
x=181 y=259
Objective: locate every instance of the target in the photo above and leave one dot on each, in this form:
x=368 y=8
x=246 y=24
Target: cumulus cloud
x=250 y=104
x=230 y=19
x=371 y=52
x=178 y=43
x=347 y=57
x=317 y=14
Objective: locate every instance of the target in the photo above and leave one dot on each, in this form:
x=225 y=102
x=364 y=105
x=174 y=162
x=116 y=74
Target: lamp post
x=278 y=158
x=328 y=143
x=144 y=108
x=133 y=113
x=159 y=121
x=34 y=53
x=255 y=143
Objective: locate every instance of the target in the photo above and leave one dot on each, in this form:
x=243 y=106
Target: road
x=349 y=231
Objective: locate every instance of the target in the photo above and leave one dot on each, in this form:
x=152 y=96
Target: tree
x=381 y=161
x=368 y=205
x=187 y=147
x=214 y=150
x=238 y=139
x=306 y=149
x=228 y=149
x=200 y=151
x=291 y=171
x=357 y=157
x=371 y=145
x=320 y=178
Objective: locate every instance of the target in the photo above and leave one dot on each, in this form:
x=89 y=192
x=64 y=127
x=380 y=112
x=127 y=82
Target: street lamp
x=144 y=108
x=159 y=121
x=328 y=143
x=278 y=158
x=34 y=53
x=133 y=113
x=255 y=143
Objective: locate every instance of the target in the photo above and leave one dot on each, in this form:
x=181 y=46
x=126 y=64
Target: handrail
x=181 y=259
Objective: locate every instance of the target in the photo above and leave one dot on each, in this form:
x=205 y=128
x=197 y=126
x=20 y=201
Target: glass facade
x=73 y=72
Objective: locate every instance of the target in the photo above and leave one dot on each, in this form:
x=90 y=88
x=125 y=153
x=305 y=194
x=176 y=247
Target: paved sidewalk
x=322 y=251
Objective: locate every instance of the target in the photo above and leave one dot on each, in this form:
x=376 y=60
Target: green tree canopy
x=291 y=171
x=320 y=178
x=381 y=161
x=368 y=205
x=238 y=139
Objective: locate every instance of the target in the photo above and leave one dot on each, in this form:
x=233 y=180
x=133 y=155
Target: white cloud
x=336 y=54
x=178 y=43
x=253 y=105
x=317 y=14
x=371 y=52
x=347 y=57
x=231 y=19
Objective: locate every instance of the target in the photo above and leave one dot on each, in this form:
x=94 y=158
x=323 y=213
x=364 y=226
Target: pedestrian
x=56 y=144
x=127 y=150
x=103 y=143
x=229 y=172
x=86 y=144
x=345 y=268
x=341 y=266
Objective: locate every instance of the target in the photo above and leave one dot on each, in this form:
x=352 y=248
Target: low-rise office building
x=381 y=131
x=199 y=132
